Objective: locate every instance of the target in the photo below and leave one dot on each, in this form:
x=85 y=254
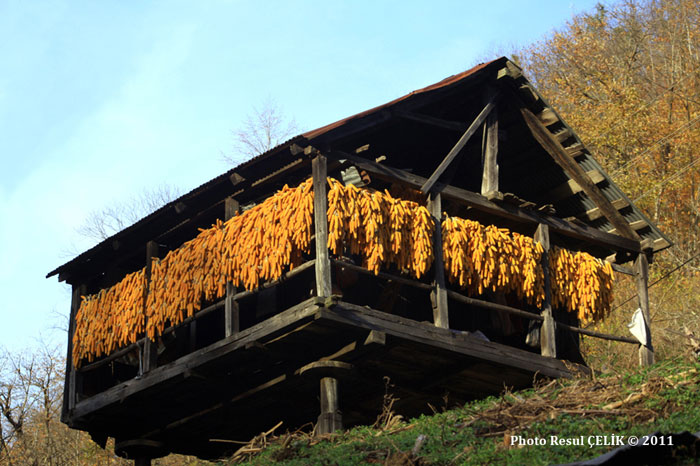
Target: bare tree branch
x=264 y=128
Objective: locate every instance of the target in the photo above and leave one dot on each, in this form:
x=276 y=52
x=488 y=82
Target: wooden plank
x=595 y=213
x=232 y=323
x=384 y=275
x=548 y=343
x=323 y=264
x=451 y=340
x=621 y=269
x=295 y=315
x=438 y=295
x=636 y=225
x=641 y=267
x=150 y=347
x=557 y=152
x=489 y=159
x=479 y=202
x=428 y=185
x=433 y=121
x=562 y=135
x=548 y=116
x=572 y=187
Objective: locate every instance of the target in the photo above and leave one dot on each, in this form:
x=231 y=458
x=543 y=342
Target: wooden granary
x=464 y=234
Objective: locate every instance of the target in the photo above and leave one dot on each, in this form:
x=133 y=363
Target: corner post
x=641 y=269
x=231 y=312
x=438 y=296
x=70 y=387
x=548 y=342
x=330 y=418
x=489 y=154
x=323 y=262
x=150 y=348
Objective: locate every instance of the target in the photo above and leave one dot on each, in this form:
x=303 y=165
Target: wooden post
x=438 y=296
x=231 y=312
x=641 y=268
x=323 y=263
x=330 y=418
x=548 y=343
x=150 y=348
x=71 y=385
x=489 y=158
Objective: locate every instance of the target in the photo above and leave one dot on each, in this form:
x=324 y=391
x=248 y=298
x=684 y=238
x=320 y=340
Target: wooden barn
x=453 y=241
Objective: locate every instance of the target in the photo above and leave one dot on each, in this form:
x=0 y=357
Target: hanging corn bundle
x=258 y=245
x=109 y=319
x=480 y=258
x=581 y=284
x=382 y=229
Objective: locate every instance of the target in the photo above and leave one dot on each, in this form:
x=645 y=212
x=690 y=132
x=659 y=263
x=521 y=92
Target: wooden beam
x=507 y=212
x=150 y=347
x=548 y=342
x=433 y=121
x=232 y=323
x=557 y=152
x=323 y=265
x=595 y=213
x=430 y=335
x=71 y=383
x=572 y=187
x=428 y=185
x=330 y=418
x=641 y=267
x=636 y=225
x=438 y=296
x=489 y=156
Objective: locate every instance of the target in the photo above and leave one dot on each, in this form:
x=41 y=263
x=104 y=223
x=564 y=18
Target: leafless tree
x=264 y=128
x=103 y=223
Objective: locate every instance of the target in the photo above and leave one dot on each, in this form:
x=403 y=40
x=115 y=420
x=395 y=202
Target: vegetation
x=637 y=402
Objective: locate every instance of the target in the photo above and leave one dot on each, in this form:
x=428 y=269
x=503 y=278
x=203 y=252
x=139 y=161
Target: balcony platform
x=245 y=384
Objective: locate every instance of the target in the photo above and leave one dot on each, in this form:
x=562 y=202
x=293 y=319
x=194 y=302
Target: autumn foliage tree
x=626 y=77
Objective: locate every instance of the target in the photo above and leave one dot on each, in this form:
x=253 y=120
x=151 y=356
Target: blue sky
x=101 y=99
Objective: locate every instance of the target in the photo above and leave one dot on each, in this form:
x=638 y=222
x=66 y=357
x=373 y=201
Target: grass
x=664 y=397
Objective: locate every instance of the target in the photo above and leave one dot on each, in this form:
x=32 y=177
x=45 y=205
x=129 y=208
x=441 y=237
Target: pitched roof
x=527 y=170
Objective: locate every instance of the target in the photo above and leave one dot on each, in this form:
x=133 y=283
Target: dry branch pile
x=383 y=230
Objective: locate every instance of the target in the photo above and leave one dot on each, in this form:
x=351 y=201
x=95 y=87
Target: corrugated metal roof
x=309 y=135
x=579 y=203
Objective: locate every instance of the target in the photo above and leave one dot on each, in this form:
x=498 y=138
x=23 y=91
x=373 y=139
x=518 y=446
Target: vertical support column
x=438 y=296
x=548 y=342
x=323 y=262
x=150 y=348
x=330 y=418
x=231 y=312
x=641 y=269
x=70 y=389
x=489 y=155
